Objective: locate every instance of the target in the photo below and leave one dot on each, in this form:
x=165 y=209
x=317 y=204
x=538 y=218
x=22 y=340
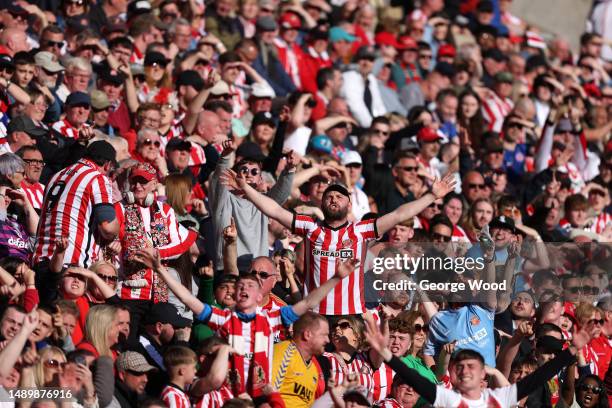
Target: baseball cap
x=259 y=90
x=351 y=157
x=339 y=34
x=340 y=188
x=428 y=135
x=445 y=69
x=220 y=88
x=6 y=61
x=447 y=50
x=321 y=143
x=564 y=125
x=154 y=57
x=406 y=42
x=164 y=312
x=385 y=38
x=47 y=61
x=102 y=150
x=78 y=98
x=144 y=170
x=190 y=78
x=263 y=118
x=503 y=222
x=365 y=52
x=250 y=151
x=358 y=394
x=133 y=361
x=266 y=23
x=290 y=20
x=138 y=7
x=99 y=100
x=176 y=143
x=25 y=124
x=504 y=77
x=224 y=278
x=494 y=54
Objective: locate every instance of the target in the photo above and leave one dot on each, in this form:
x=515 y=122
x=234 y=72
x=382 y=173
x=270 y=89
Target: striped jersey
x=358 y=364
x=495 y=110
x=66 y=129
x=34 y=193
x=216 y=398
x=174 y=397
x=383 y=378
x=67 y=209
x=389 y=403
x=323 y=246
x=179 y=237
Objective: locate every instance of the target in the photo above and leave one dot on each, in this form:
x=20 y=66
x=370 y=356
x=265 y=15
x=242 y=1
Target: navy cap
x=340 y=188
x=192 y=78
x=503 y=222
x=111 y=76
x=176 y=143
x=445 y=69
x=154 y=57
x=78 y=98
x=263 y=118
x=163 y=312
x=250 y=151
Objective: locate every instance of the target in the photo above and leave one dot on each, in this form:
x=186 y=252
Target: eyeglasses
x=425 y=56
x=434 y=205
x=444 y=238
x=58 y=44
x=342 y=125
x=597 y=321
x=149 y=142
x=344 y=325
x=245 y=170
x=261 y=274
x=590 y=290
x=381 y=132
x=593 y=388
x=472 y=186
x=34 y=162
x=408 y=169
x=108 y=278
x=421 y=328
x=52 y=363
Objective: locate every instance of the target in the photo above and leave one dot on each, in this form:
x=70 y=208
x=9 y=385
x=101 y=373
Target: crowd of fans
x=195 y=195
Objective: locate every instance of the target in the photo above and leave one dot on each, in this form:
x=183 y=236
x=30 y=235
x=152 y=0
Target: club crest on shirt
x=475 y=320
x=347 y=243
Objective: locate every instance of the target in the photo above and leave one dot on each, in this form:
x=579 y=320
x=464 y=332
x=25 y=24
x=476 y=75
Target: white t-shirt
x=489 y=398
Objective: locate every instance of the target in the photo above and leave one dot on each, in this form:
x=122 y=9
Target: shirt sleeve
x=205 y=314
x=302 y=224
x=288 y=316
x=447 y=398
x=101 y=190
x=367 y=229
x=181 y=238
x=432 y=344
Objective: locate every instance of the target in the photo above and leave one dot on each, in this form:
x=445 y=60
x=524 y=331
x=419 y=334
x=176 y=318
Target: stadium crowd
x=193 y=196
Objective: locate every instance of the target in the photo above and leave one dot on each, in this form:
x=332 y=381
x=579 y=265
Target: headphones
x=129 y=197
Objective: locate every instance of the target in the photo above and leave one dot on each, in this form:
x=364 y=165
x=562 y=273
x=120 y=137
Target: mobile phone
x=80 y=360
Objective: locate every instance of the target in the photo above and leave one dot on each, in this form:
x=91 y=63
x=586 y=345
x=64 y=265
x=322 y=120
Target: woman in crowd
x=101 y=331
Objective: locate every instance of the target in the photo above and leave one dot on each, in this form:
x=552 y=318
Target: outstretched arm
x=151 y=259
x=439 y=189
x=265 y=204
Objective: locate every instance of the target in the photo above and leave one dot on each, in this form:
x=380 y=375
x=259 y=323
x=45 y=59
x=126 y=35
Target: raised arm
x=230 y=249
x=439 y=189
x=215 y=377
x=238 y=185
x=12 y=351
x=151 y=259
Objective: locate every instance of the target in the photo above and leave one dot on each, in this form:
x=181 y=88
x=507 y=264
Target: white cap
x=262 y=91
x=220 y=88
x=350 y=157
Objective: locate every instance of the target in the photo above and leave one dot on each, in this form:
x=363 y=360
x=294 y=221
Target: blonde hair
x=178 y=187
x=179 y=355
x=99 y=321
x=95 y=267
x=45 y=354
x=584 y=311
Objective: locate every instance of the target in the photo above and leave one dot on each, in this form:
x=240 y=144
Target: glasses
x=54 y=44
x=245 y=170
x=381 y=132
x=590 y=290
x=421 y=328
x=444 y=238
x=108 y=278
x=261 y=274
x=408 y=169
x=593 y=388
x=597 y=321
x=344 y=325
x=434 y=205
x=52 y=363
x=473 y=186
x=101 y=110
x=425 y=56
x=149 y=142
x=34 y=162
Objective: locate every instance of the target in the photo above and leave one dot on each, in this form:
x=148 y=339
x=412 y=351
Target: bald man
x=14 y=40
x=208 y=127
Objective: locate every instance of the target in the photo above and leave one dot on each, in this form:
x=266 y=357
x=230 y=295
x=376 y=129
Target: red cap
x=407 y=43
x=290 y=20
x=592 y=90
x=447 y=50
x=144 y=170
x=427 y=135
x=385 y=38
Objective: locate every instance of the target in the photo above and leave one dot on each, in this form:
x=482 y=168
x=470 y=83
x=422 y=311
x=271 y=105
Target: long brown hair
x=178 y=187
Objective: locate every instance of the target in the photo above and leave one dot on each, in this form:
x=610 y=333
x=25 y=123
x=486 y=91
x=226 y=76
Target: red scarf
x=261 y=337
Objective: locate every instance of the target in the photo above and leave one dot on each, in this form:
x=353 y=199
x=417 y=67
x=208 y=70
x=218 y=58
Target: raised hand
x=58 y=323
x=114 y=248
x=285 y=114
x=440 y=188
x=375 y=337
x=30 y=323
x=449 y=348
x=61 y=245
x=293 y=159
x=228 y=147
x=582 y=337
x=208 y=270
x=514 y=249
x=345 y=268
x=199 y=207
x=233 y=181
x=149 y=257
x=525 y=329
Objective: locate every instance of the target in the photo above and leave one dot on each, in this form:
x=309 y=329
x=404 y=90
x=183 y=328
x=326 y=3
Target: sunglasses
x=421 y=328
x=52 y=363
x=58 y=44
x=425 y=56
x=149 y=142
x=8 y=70
x=477 y=186
x=353 y=166
x=593 y=388
x=434 y=205
x=245 y=170
x=34 y=162
x=108 y=278
x=101 y=110
x=344 y=325
x=261 y=274
x=597 y=321
x=408 y=169
x=444 y=238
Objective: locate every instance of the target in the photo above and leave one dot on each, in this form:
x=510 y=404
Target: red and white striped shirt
x=66 y=129
x=180 y=239
x=389 y=403
x=325 y=245
x=495 y=110
x=383 y=378
x=215 y=399
x=289 y=55
x=359 y=364
x=459 y=235
x=174 y=397
x=34 y=193
x=67 y=209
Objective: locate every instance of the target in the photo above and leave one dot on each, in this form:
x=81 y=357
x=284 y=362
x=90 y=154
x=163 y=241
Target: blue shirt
x=514 y=162
x=471 y=326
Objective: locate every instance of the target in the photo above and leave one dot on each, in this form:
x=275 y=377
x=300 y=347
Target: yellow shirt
x=296 y=381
